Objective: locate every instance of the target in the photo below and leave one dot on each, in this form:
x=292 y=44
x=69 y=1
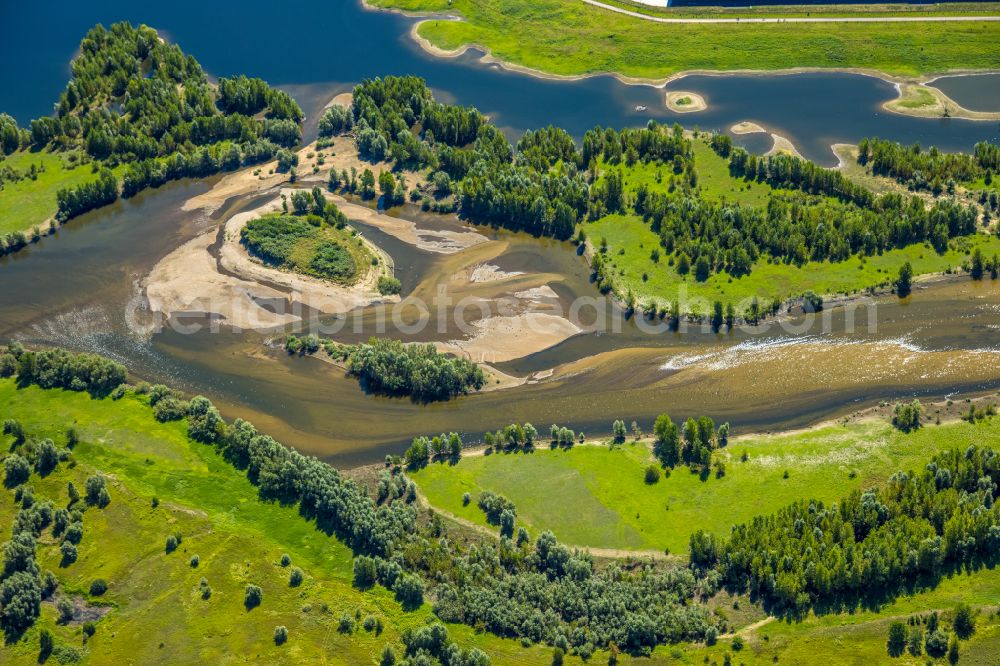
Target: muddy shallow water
x=80 y=290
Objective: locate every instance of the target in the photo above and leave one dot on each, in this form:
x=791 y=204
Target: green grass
x=596 y=495
x=157 y=614
x=322 y=251
x=631 y=242
x=28 y=203
x=569 y=37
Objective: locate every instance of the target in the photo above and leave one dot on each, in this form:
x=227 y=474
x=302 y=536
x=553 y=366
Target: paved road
x=803 y=19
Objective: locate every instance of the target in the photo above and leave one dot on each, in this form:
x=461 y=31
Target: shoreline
x=897 y=80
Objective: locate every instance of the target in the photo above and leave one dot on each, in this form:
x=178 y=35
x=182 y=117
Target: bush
x=410 y=591
x=171 y=544
x=195 y=561
x=280 y=635
x=346 y=624
x=652 y=474
x=17 y=470
x=285 y=560
x=295 y=579
x=388 y=286
x=906 y=417
x=253 y=597
x=69 y=554
x=89 y=629
x=98 y=587
x=365 y=572
x=66 y=610
x=897 y=639
x=964 y=623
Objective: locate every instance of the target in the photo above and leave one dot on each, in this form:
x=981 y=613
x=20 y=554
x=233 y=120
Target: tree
x=410 y=591
x=717 y=315
x=17 y=470
x=388 y=656
x=964 y=623
x=953 y=650
x=45 y=645
x=897 y=639
x=252 y=597
x=280 y=635
x=905 y=280
x=295 y=578
x=618 y=431
x=683 y=264
x=652 y=474
x=95 y=484
x=976 y=270
x=915 y=642
x=667 y=443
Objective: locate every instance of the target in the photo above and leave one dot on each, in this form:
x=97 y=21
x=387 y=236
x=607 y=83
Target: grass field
x=29 y=203
x=596 y=495
x=631 y=241
x=156 y=612
x=153 y=611
x=569 y=37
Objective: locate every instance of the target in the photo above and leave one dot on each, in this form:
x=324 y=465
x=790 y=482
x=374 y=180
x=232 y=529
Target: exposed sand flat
x=490 y=273
x=430 y=240
x=680 y=101
x=924 y=100
x=498 y=339
x=746 y=127
x=343 y=99
x=190 y=279
x=783 y=145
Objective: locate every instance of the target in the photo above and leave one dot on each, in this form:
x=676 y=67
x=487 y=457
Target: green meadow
x=630 y=244
x=28 y=202
x=153 y=611
x=569 y=37
x=596 y=495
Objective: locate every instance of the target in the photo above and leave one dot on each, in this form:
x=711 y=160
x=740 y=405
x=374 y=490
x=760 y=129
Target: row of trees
x=690 y=444
x=390 y=367
x=931 y=169
x=58 y=368
x=539 y=591
x=872 y=545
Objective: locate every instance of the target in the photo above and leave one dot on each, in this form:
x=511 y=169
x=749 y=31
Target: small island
x=680 y=101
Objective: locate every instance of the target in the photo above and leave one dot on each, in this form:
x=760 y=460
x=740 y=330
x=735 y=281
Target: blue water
x=319 y=48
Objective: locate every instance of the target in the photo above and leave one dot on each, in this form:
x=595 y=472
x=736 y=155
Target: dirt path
x=802 y=19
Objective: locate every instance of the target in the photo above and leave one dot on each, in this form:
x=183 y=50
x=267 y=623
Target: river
x=80 y=289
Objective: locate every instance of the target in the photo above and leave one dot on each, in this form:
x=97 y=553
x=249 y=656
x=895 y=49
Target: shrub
x=346 y=624
x=388 y=286
x=253 y=597
x=171 y=544
x=66 y=610
x=365 y=572
x=195 y=561
x=280 y=635
x=652 y=474
x=295 y=579
x=285 y=560
x=17 y=470
x=98 y=587
x=964 y=623
x=69 y=554
x=410 y=591
x=369 y=623
x=897 y=639
x=89 y=629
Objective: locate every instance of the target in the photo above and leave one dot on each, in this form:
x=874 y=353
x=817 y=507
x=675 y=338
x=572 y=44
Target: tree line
x=930 y=170
x=872 y=545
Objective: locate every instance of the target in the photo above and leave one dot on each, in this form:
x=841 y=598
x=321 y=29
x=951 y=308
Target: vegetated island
x=111 y=489
x=677 y=224
x=390 y=367
x=540 y=37
x=136 y=113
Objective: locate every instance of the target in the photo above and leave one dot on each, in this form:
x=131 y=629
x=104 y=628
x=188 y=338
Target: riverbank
x=471 y=26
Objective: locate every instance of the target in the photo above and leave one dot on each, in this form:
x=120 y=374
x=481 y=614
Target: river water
x=80 y=288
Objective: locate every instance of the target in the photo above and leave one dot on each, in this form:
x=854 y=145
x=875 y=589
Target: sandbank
x=680 y=101
x=191 y=279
